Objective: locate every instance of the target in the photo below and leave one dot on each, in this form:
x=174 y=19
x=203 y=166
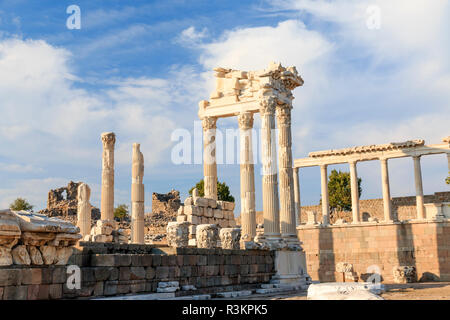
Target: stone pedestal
x=229 y=238
x=178 y=234
x=137 y=196
x=290 y=267
x=207 y=236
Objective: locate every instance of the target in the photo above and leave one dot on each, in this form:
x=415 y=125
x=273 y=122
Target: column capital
x=283 y=113
x=267 y=105
x=353 y=162
x=295 y=169
x=108 y=139
x=383 y=160
x=209 y=123
x=245 y=120
x=416 y=157
x=323 y=166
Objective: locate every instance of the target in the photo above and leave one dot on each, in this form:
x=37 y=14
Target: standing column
x=107 y=201
x=325 y=201
x=269 y=167
x=137 y=196
x=387 y=206
x=209 y=157
x=287 y=203
x=298 y=208
x=419 y=188
x=84 y=209
x=247 y=172
x=355 y=192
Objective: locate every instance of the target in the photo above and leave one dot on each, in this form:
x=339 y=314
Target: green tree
x=223 y=191
x=121 y=211
x=21 y=204
x=447 y=180
x=339 y=190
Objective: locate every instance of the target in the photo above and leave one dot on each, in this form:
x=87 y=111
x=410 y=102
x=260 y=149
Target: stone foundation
x=378 y=248
x=109 y=269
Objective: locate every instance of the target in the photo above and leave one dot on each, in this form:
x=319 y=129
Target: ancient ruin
x=137 y=196
x=34 y=239
x=63 y=203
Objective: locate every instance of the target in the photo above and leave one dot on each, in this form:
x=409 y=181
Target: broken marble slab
x=345 y=291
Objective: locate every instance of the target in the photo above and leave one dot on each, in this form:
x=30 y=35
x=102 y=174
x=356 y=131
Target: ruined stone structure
x=230 y=238
x=382 y=152
x=34 y=239
x=164 y=210
x=403 y=208
x=63 y=203
x=198 y=210
x=178 y=234
x=84 y=209
x=137 y=196
x=207 y=236
x=269 y=93
x=242 y=93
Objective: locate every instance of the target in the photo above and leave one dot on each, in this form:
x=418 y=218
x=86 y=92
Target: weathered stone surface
x=84 y=209
x=345 y=291
x=404 y=274
x=48 y=254
x=207 y=236
x=178 y=234
x=62 y=255
x=230 y=237
x=35 y=255
x=20 y=255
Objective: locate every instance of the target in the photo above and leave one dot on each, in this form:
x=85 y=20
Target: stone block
x=122 y=260
x=201 y=202
x=207 y=236
x=101 y=260
x=162 y=272
x=10 y=277
x=15 y=293
x=212 y=203
x=217 y=213
x=208 y=213
x=55 y=291
x=124 y=273
x=137 y=273
x=181 y=218
x=190 y=210
x=193 y=219
x=31 y=276
x=150 y=273
x=193 y=228
x=110 y=288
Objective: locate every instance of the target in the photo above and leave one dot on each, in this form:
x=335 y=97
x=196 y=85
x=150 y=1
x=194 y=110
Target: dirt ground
x=410 y=291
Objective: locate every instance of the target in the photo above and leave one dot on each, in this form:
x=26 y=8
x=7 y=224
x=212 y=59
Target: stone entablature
x=370 y=148
x=34 y=239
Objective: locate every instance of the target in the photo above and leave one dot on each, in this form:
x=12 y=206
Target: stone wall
x=424 y=245
x=114 y=269
x=402 y=207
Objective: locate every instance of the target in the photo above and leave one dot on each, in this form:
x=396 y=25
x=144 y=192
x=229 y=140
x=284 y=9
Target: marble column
x=287 y=201
x=325 y=201
x=354 y=192
x=387 y=206
x=298 y=208
x=209 y=157
x=419 y=188
x=247 y=173
x=107 y=200
x=84 y=209
x=137 y=196
x=269 y=168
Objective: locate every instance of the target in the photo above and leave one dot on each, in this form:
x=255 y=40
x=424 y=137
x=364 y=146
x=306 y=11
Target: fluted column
x=387 y=206
x=84 y=209
x=298 y=208
x=325 y=201
x=247 y=172
x=419 y=188
x=209 y=157
x=107 y=201
x=269 y=167
x=137 y=196
x=287 y=203
x=354 y=192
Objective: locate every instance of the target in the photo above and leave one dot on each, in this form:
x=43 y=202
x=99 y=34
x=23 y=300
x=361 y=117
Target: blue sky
x=139 y=68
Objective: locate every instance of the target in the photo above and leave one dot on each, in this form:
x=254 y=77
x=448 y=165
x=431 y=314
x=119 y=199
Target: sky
x=375 y=72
